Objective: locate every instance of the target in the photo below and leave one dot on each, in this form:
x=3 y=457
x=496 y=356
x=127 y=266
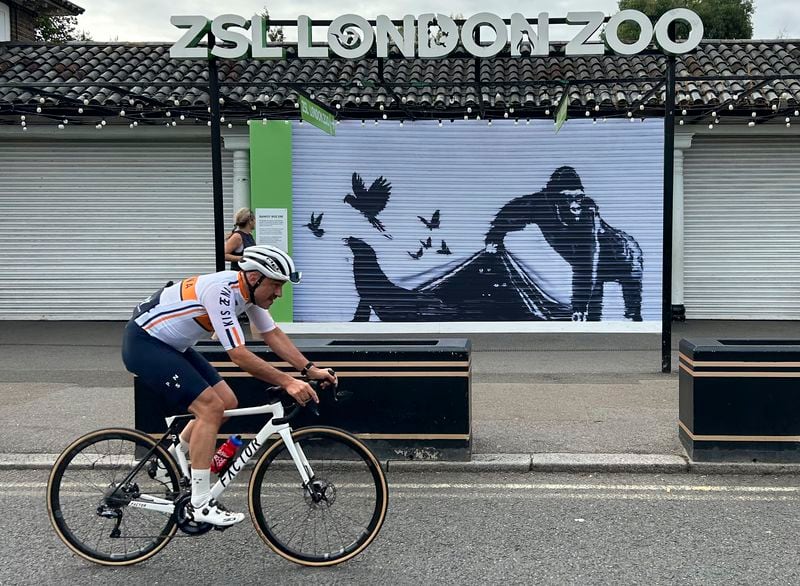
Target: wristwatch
x=304 y=372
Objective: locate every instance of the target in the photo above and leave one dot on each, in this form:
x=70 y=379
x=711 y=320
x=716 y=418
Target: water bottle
x=225 y=453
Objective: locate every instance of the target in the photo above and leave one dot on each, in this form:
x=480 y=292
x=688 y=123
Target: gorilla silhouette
x=571 y=224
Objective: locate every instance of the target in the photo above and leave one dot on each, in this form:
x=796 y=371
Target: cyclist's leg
x=208 y=409
x=214 y=380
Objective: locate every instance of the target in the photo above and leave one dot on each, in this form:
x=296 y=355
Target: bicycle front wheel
x=96 y=491
x=333 y=518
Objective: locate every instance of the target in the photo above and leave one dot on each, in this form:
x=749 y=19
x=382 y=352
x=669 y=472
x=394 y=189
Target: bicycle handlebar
x=318 y=386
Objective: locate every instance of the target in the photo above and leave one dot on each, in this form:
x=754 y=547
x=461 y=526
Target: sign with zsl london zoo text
x=431 y=35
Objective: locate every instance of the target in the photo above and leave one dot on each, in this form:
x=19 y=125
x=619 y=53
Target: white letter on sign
x=304 y=48
x=540 y=41
x=695 y=35
x=186 y=47
x=578 y=45
x=385 y=32
x=219 y=28
x=439 y=45
x=475 y=22
x=259 y=28
x=645 y=33
x=345 y=42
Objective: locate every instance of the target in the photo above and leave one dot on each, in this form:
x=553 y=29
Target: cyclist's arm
x=280 y=343
x=299 y=390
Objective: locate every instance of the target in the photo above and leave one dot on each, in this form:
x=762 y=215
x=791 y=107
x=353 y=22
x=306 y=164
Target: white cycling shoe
x=214 y=513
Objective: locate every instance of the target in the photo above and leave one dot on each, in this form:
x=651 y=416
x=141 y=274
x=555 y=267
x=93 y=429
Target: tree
x=59 y=29
x=722 y=19
x=275 y=33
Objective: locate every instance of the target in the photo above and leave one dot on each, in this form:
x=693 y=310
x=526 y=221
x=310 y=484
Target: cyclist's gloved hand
x=301 y=391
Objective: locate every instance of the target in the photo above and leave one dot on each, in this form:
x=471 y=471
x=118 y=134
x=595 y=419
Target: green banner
x=271 y=188
x=561 y=114
x=317 y=116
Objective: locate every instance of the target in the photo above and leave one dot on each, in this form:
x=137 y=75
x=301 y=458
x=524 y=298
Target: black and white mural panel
x=474 y=223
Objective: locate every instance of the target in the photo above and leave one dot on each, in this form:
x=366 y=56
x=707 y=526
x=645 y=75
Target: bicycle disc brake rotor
x=320 y=493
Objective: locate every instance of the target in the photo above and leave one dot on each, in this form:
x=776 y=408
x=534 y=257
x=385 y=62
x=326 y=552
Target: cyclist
x=157 y=347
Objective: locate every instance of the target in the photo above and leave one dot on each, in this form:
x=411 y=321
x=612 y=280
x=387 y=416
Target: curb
x=521 y=463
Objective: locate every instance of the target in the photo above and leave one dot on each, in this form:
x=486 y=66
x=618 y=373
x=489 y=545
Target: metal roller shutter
x=467 y=171
x=742 y=228
x=91 y=227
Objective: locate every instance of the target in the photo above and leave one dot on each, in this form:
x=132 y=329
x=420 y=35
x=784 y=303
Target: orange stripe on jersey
x=243 y=288
x=171 y=316
x=204 y=322
x=189 y=289
x=236 y=337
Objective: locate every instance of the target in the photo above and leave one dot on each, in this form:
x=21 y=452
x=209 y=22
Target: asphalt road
x=475 y=529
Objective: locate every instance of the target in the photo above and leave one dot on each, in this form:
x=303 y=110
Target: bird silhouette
x=444 y=249
x=388 y=301
x=370 y=202
x=426 y=243
x=415 y=255
x=313 y=225
x=434 y=222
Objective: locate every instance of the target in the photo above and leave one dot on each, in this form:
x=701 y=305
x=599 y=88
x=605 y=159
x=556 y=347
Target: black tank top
x=247 y=242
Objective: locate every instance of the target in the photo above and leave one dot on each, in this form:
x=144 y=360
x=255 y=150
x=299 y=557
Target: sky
x=148 y=20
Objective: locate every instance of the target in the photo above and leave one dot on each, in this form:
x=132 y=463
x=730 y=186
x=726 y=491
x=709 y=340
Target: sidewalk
x=539 y=401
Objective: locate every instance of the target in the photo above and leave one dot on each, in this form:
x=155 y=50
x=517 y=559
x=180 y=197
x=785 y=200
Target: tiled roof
x=142 y=76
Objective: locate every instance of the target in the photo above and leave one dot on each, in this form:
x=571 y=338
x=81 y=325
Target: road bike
x=317 y=495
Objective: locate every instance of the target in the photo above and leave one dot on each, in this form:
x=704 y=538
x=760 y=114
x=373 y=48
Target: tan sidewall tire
x=49 y=493
x=299 y=434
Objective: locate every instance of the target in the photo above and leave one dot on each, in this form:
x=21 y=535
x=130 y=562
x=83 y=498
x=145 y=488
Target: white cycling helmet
x=271 y=262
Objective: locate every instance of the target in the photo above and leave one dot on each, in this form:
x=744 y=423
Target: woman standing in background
x=241 y=237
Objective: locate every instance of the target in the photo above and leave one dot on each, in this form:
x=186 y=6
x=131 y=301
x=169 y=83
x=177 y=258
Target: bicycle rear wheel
x=90 y=507
x=333 y=519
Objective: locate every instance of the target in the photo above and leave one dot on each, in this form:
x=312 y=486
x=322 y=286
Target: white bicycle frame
x=163 y=505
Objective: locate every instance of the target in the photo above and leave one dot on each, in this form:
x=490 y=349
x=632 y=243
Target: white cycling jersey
x=189 y=311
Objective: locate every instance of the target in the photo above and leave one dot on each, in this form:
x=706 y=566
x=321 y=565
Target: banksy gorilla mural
x=478 y=224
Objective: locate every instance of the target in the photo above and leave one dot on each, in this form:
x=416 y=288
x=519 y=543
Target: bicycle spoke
x=335 y=515
x=97 y=464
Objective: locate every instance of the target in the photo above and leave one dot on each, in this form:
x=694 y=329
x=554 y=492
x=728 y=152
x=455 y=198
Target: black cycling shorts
x=177 y=377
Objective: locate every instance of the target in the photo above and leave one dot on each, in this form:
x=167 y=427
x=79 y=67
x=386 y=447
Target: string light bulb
x=683 y=112
x=80 y=110
x=751 y=124
x=730 y=106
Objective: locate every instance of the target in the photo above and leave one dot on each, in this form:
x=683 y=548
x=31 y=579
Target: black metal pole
x=666 y=273
x=216 y=159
